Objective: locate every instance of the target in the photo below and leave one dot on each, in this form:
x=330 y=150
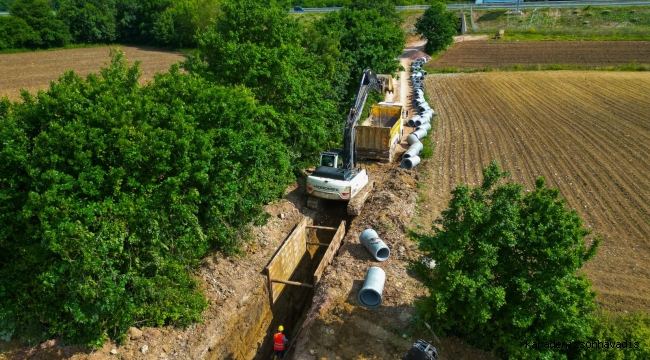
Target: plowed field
x=587 y=133
x=479 y=54
x=34 y=70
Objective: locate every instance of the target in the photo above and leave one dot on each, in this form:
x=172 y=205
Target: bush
x=633 y=330
x=506 y=269
x=438 y=26
x=111 y=192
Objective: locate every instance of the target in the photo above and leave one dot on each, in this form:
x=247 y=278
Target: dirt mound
x=337 y=325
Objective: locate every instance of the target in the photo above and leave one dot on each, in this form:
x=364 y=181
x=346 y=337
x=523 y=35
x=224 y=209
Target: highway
x=522 y=5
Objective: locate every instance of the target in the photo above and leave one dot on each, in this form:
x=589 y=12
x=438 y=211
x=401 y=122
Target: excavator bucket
x=386 y=82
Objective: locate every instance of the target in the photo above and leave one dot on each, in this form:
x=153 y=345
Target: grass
x=628 y=67
x=586 y=23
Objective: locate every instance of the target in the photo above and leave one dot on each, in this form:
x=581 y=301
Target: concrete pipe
x=425 y=126
x=421 y=121
x=412 y=120
x=374 y=244
x=423 y=107
x=410 y=162
x=412 y=139
x=414 y=150
x=370 y=294
x=419 y=133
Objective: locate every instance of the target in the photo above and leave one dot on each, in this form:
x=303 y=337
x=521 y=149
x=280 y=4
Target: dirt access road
x=586 y=132
x=33 y=71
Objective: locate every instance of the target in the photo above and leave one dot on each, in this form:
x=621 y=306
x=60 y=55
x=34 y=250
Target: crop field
x=587 y=133
x=34 y=70
x=497 y=54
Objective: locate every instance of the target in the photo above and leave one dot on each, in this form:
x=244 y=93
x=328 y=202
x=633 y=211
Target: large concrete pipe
x=414 y=150
x=370 y=294
x=412 y=120
x=412 y=139
x=421 y=121
x=425 y=126
x=410 y=162
x=374 y=244
x=419 y=133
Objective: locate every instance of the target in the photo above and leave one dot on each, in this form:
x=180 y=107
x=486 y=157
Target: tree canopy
x=256 y=44
x=110 y=193
x=507 y=268
x=438 y=26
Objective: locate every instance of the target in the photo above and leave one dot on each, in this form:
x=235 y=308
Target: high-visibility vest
x=278 y=341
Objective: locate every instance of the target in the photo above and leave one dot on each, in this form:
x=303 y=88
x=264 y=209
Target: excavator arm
x=369 y=80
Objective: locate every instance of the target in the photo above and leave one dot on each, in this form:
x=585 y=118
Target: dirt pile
x=337 y=325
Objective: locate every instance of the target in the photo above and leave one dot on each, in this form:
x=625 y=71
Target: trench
x=251 y=332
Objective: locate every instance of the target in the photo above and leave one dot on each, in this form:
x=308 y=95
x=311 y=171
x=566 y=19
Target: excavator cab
x=331 y=158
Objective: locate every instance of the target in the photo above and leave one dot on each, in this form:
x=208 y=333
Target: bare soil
x=34 y=71
x=587 y=133
x=480 y=54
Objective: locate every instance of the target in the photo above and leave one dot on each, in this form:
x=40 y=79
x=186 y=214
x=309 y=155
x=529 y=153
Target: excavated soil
x=496 y=54
x=586 y=132
x=34 y=71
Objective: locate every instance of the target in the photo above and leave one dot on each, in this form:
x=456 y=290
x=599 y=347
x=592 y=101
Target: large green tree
x=90 y=21
x=16 y=33
x=110 y=193
x=368 y=36
x=507 y=267
x=438 y=26
x=256 y=44
x=50 y=32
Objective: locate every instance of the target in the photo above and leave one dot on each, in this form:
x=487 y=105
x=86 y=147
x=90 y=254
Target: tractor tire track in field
x=587 y=133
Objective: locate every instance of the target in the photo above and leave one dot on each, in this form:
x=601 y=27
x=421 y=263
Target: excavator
x=338 y=176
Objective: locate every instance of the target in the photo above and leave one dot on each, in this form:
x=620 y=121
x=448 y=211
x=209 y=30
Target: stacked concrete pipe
x=410 y=162
x=413 y=150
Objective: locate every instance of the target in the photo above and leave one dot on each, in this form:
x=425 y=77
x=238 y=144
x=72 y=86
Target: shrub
x=506 y=269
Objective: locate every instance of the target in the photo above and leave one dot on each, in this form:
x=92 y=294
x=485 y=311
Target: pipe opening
x=383 y=254
x=370 y=298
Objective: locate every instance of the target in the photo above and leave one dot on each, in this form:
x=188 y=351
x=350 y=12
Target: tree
x=256 y=44
x=40 y=17
x=15 y=33
x=368 y=36
x=90 y=21
x=438 y=26
x=110 y=193
x=506 y=268
x=136 y=18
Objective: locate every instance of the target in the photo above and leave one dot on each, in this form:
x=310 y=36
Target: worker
x=279 y=343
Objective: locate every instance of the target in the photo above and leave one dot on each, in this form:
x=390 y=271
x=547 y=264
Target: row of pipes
x=422 y=121
x=370 y=295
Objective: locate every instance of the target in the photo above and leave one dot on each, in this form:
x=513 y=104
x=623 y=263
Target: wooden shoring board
x=330 y=253
x=286 y=259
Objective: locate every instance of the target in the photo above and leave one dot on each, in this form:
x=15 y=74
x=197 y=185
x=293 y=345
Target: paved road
x=523 y=5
